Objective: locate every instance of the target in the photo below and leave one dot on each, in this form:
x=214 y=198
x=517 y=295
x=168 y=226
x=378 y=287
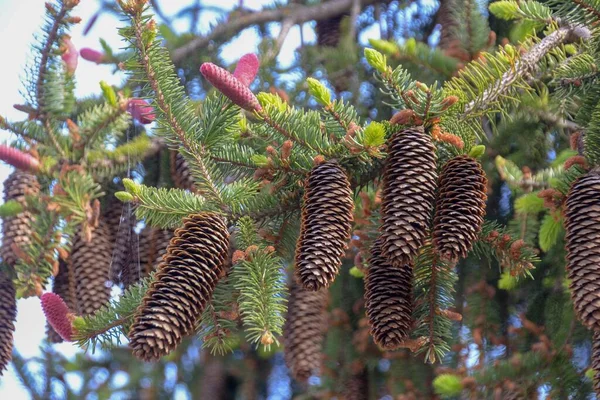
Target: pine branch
x=170 y=97
x=525 y=65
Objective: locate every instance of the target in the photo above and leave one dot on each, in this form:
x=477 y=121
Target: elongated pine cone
x=152 y=246
x=326 y=223
x=180 y=172
x=357 y=385
x=17 y=230
x=460 y=207
x=121 y=223
x=64 y=287
x=583 y=247
x=303 y=332
x=91 y=269
x=409 y=183
x=183 y=285
x=596 y=361
x=388 y=299
x=8 y=314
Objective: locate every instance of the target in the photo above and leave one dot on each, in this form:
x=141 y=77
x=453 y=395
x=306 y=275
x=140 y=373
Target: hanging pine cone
x=356 y=386
x=388 y=299
x=121 y=223
x=91 y=267
x=409 y=183
x=583 y=247
x=152 y=247
x=183 y=285
x=596 y=361
x=17 y=230
x=305 y=324
x=64 y=287
x=326 y=223
x=8 y=314
x=180 y=172
x=460 y=207
x=328 y=30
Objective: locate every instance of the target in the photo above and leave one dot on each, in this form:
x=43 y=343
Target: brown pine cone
x=460 y=207
x=303 y=331
x=182 y=286
x=596 y=361
x=582 y=224
x=180 y=172
x=8 y=314
x=326 y=224
x=357 y=386
x=121 y=222
x=152 y=247
x=409 y=183
x=17 y=230
x=64 y=287
x=328 y=31
x=91 y=267
x=388 y=300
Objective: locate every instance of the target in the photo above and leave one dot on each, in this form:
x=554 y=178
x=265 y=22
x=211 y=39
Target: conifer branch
x=165 y=106
x=527 y=64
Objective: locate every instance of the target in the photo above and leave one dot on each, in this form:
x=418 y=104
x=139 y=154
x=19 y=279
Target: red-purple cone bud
x=141 y=110
x=58 y=315
x=230 y=86
x=70 y=54
x=247 y=68
x=91 y=55
x=18 y=159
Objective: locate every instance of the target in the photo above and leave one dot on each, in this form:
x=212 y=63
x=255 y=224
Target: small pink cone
x=230 y=86
x=141 y=111
x=91 y=55
x=70 y=54
x=57 y=313
x=18 y=159
x=247 y=68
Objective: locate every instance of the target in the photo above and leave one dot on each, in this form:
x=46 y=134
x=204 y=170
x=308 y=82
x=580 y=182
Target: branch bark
x=299 y=14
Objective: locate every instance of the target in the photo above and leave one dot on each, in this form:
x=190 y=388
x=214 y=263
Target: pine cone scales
x=121 y=222
x=180 y=172
x=152 y=247
x=326 y=224
x=409 y=183
x=388 y=300
x=460 y=207
x=17 y=230
x=583 y=247
x=91 y=269
x=596 y=361
x=183 y=285
x=305 y=324
x=63 y=286
x=8 y=314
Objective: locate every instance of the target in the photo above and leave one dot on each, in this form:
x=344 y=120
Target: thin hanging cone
x=180 y=171
x=460 y=207
x=17 y=230
x=409 y=183
x=582 y=224
x=152 y=247
x=183 y=285
x=305 y=324
x=91 y=267
x=596 y=361
x=357 y=385
x=388 y=300
x=121 y=222
x=8 y=314
x=326 y=224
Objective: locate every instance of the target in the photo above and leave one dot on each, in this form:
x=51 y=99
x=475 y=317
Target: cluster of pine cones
x=84 y=280
x=411 y=192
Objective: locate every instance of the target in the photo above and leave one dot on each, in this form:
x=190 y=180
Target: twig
x=526 y=65
x=285 y=29
x=301 y=14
